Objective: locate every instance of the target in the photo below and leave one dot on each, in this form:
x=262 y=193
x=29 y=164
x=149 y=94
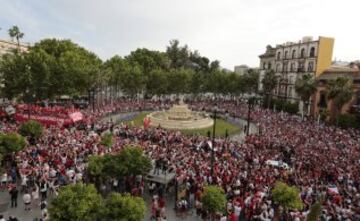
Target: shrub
x=348 y=121
x=107 y=140
x=11 y=142
x=31 y=129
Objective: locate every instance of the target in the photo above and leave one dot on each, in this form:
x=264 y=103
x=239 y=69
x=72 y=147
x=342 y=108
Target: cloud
x=232 y=31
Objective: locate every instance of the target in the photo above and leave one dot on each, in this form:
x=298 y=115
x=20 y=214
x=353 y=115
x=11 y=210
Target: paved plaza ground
x=23 y=215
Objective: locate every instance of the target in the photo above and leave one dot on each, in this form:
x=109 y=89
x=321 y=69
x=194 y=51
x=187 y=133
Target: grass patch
x=220 y=130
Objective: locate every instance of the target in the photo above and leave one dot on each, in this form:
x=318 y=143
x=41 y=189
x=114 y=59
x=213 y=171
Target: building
x=9 y=46
x=291 y=60
x=322 y=103
x=241 y=69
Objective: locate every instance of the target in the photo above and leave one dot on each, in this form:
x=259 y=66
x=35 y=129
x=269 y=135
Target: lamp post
x=250 y=106
x=213 y=144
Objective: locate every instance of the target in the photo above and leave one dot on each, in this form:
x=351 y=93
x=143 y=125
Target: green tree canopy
x=305 y=87
x=31 y=129
x=287 y=196
x=50 y=68
x=269 y=83
x=179 y=81
x=157 y=82
x=214 y=199
x=340 y=92
x=77 y=202
x=134 y=161
x=11 y=142
x=119 y=207
x=315 y=212
x=130 y=161
x=107 y=139
x=14 y=32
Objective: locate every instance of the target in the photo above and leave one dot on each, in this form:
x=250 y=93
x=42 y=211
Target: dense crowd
x=323 y=161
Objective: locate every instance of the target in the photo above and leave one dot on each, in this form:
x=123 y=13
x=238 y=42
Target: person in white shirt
x=27 y=200
x=35 y=194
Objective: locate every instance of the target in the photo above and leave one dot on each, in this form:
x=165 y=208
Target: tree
x=119 y=207
x=251 y=81
x=179 y=81
x=129 y=162
x=269 y=83
x=107 y=139
x=50 y=68
x=32 y=129
x=214 y=200
x=286 y=196
x=157 y=82
x=11 y=142
x=77 y=202
x=339 y=91
x=15 y=32
x=15 y=74
x=315 y=212
x=305 y=87
x=132 y=81
x=134 y=161
x=179 y=56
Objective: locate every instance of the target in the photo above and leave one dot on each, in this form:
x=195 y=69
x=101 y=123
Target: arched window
x=322 y=102
x=302 y=53
x=285 y=67
x=292 y=67
x=278 y=55
x=286 y=55
x=310 y=66
x=312 y=52
x=293 y=54
x=277 y=69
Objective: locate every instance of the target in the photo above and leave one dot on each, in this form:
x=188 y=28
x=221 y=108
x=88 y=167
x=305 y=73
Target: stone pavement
x=23 y=215
x=19 y=212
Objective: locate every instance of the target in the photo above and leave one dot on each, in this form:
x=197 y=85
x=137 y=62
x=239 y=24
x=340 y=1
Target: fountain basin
x=180 y=117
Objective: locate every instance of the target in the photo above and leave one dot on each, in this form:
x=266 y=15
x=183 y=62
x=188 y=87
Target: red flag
x=146 y=122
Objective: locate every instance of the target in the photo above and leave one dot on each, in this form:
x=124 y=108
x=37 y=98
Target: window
x=312 y=52
x=292 y=67
x=278 y=55
x=302 y=53
x=286 y=55
x=264 y=65
x=301 y=67
x=322 y=102
x=293 y=54
x=269 y=65
x=310 y=66
x=278 y=68
x=285 y=67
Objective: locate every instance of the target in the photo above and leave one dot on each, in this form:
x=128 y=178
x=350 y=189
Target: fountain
x=180 y=117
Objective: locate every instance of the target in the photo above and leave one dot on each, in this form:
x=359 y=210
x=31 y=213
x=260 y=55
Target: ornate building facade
x=291 y=60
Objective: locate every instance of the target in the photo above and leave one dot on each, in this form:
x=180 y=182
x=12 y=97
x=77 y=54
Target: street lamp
x=213 y=143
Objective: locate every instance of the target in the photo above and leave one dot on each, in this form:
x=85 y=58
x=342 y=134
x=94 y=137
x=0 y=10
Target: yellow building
x=291 y=60
x=321 y=102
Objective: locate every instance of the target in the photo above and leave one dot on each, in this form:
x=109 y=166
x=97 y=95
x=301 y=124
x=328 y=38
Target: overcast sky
x=232 y=31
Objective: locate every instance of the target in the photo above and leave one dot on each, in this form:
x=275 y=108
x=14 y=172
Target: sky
x=232 y=31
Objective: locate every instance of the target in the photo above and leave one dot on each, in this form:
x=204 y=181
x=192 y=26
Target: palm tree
x=305 y=87
x=269 y=83
x=340 y=91
x=15 y=32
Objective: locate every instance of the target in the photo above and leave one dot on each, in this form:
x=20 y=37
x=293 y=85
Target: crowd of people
x=323 y=161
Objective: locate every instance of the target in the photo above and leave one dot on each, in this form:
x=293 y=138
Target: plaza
x=179 y=110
